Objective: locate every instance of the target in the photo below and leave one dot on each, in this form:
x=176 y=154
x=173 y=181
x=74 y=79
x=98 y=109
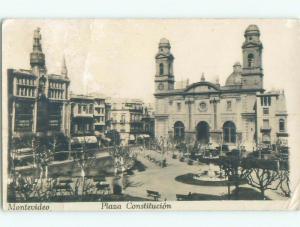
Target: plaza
x=163 y=180
x=200 y=141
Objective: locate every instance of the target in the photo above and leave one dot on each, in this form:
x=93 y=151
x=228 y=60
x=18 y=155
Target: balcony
x=265 y=129
x=282 y=134
x=100 y=123
x=98 y=114
x=87 y=115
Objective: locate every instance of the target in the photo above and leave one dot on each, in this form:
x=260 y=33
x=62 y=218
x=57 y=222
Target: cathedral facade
x=237 y=113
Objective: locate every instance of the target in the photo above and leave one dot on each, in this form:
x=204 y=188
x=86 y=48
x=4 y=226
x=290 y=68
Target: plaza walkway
x=163 y=180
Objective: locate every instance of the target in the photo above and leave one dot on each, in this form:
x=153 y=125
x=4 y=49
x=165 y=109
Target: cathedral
x=238 y=113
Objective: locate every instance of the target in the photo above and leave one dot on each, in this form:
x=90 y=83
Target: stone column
x=13 y=118
x=214 y=101
x=189 y=101
x=215 y=133
x=63 y=118
x=34 y=117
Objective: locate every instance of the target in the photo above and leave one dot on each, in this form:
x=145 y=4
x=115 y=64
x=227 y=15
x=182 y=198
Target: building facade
x=126 y=118
x=82 y=121
x=210 y=112
x=99 y=113
x=37 y=101
x=271 y=118
x=148 y=121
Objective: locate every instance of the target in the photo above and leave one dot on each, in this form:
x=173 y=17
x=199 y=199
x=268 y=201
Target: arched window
x=250 y=60
x=161 y=69
x=178 y=130
x=281 y=125
x=229 y=132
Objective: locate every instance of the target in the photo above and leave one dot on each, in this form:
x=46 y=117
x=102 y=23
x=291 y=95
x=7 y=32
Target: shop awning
x=99 y=134
x=142 y=136
x=84 y=139
x=106 y=139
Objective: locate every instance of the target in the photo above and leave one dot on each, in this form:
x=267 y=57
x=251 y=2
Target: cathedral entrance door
x=202 y=132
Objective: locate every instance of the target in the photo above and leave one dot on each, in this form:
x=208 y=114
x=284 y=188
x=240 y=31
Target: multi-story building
x=126 y=118
x=148 y=121
x=99 y=113
x=108 y=116
x=271 y=118
x=136 y=111
x=82 y=121
x=37 y=101
x=208 y=112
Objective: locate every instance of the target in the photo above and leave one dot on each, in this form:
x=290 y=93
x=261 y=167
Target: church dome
x=163 y=42
x=252 y=28
x=235 y=78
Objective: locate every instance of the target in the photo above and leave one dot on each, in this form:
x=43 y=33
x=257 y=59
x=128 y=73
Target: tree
x=231 y=165
x=114 y=135
x=85 y=160
x=262 y=174
x=284 y=174
x=42 y=155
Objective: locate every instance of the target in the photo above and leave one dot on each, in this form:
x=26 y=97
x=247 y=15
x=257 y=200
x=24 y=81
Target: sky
x=116 y=57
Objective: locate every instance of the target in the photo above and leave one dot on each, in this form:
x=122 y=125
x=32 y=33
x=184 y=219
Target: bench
x=181 y=197
x=103 y=187
x=154 y=194
x=63 y=187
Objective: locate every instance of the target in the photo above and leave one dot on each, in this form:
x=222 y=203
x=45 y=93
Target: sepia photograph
x=150 y=114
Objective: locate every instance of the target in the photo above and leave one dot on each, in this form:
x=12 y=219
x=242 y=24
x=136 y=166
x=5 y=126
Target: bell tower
x=164 y=78
x=252 y=73
x=37 y=57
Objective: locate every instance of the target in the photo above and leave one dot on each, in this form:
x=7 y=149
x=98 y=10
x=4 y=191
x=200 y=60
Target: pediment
x=202 y=87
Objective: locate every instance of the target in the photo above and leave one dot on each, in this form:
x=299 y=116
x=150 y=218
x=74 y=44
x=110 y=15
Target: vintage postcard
x=150 y=115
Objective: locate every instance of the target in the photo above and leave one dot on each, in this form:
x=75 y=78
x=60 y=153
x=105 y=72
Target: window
x=87 y=127
x=229 y=132
x=202 y=107
x=281 y=125
x=91 y=108
x=123 y=119
x=161 y=69
x=178 y=106
x=266 y=138
x=265 y=100
x=178 y=130
x=250 y=60
x=229 y=105
x=266 y=111
x=75 y=128
x=23 y=116
x=266 y=124
x=79 y=109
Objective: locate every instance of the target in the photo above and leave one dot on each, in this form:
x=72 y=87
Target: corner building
x=38 y=102
x=209 y=112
